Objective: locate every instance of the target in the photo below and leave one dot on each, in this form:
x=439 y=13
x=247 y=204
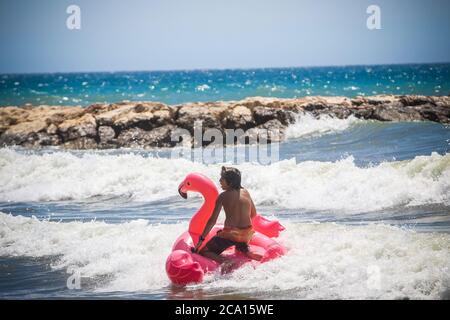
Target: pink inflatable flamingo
x=183 y=266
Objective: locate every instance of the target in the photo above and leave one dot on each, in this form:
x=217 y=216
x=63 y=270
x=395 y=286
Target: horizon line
x=224 y=69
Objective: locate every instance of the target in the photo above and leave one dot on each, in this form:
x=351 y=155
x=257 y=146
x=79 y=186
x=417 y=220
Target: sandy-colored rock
x=144 y=115
x=85 y=126
x=148 y=124
x=238 y=117
x=24 y=132
x=210 y=117
x=106 y=134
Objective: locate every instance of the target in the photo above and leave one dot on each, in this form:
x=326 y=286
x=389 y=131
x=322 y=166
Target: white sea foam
x=202 y=87
x=324 y=260
x=329 y=261
x=287 y=184
x=131 y=253
x=307 y=125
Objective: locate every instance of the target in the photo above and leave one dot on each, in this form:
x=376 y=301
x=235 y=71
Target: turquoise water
x=174 y=87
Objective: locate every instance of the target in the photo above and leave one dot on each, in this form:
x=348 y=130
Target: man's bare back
x=239 y=208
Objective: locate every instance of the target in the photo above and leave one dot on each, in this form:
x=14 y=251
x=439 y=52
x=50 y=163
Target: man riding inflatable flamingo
x=245 y=230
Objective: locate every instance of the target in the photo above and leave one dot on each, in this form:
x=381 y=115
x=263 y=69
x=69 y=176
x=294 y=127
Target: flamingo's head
x=197 y=182
x=183 y=269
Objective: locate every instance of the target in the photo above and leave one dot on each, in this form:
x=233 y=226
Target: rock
x=414 y=100
x=24 y=132
x=81 y=143
x=262 y=114
x=106 y=134
x=275 y=130
x=336 y=101
x=140 y=108
x=85 y=126
x=361 y=112
x=210 y=116
x=380 y=99
x=45 y=139
x=395 y=112
x=433 y=113
x=23 y=126
x=239 y=117
x=145 y=116
x=315 y=107
x=161 y=136
x=9 y=116
x=149 y=124
x=269 y=132
x=109 y=114
x=443 y=101
x=52 y=129
x=358 y=101
x=340 y=113
x=138 y=138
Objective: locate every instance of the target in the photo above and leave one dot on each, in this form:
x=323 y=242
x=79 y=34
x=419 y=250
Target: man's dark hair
x=232 y=176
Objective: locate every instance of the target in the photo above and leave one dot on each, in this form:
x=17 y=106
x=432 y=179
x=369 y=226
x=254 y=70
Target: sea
x=365 y=204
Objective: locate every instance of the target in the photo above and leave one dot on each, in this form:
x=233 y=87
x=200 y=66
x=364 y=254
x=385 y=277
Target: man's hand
x=197 y=246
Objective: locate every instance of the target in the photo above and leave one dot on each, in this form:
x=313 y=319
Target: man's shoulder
x=245 y=191
x=222 y=195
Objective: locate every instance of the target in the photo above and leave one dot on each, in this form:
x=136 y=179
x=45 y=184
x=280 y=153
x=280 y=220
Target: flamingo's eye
x=188 y=183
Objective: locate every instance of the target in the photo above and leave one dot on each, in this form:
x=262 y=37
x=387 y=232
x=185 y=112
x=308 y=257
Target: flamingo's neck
x=199 y=220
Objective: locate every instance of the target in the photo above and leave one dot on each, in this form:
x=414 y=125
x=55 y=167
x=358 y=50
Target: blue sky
x=199 y=34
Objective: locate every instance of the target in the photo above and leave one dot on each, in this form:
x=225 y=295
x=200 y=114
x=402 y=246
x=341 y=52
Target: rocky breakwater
x=151 y=124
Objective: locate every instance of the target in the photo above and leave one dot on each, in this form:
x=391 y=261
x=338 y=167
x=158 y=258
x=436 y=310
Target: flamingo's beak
x=182 y=191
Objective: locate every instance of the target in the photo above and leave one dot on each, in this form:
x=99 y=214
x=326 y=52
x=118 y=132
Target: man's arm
x=211 y=221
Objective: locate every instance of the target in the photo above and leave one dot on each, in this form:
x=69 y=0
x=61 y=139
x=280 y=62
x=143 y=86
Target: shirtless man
x=239 y=211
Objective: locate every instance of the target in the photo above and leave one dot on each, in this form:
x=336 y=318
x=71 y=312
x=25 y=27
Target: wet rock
x=395 y=112
x=434 y=113
x=361 y=112
x=81 y=143
x=140 y=138
x=274 y=130
x=106 y=134
x=85 y=126
x=45 y=139
x=269 y=132
x=340 y=112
